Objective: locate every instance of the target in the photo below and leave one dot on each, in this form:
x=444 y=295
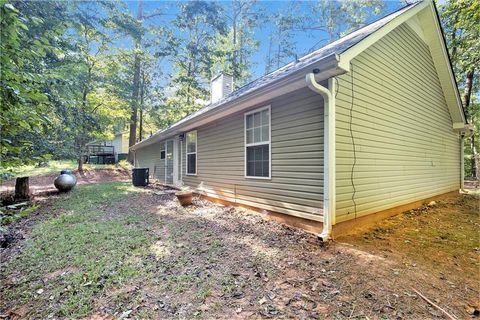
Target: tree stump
x=22 y=188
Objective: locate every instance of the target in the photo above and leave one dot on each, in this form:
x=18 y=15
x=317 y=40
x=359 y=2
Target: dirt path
x=215 y=262
x=45 y=182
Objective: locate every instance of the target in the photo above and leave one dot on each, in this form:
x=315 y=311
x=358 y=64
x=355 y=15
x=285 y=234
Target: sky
x=303 y=41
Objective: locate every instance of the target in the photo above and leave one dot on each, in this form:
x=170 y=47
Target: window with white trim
x=257 y=143
x=162 y=151
x=191 y=148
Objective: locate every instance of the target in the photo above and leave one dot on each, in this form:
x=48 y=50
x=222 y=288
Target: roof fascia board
x=415 y=25
x=349 y=54
x=451 y=90
x=327 y=69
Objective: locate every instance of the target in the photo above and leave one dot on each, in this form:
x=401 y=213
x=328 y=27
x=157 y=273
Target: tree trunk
x=136 y=88
x=134 y=111
x=269 y=55
x=81 y=120
x=474 y=158
x=142 y=97
x=467 y=93
x=80 y=162
x=22 y=188
x=234 y=58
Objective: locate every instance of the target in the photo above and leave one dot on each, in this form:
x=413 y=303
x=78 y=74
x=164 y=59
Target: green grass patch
x=98 y=247
x=53 y=166
x=7 y=219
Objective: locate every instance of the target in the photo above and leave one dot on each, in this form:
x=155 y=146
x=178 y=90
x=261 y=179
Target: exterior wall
x=124 y=148
x=120 y=142
x=405 y=147
x=296 y=186
x=117 y=144
x=149 y=156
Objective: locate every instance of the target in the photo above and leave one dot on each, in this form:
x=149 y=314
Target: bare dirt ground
x=217 y=262
x=44 y=183
x=439 y=242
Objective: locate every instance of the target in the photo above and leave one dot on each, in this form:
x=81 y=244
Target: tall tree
x=282 y=44
x=238 y=45
x=31 y=38
x=86 y=69
x=194 y=57
x=337 y=18
x=136 y=84
x=323 y=20
x=142 y=36
x=461 y=20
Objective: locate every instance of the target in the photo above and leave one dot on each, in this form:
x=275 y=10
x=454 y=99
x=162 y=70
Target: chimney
x=220 y=86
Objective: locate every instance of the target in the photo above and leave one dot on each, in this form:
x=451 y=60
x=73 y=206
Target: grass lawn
x=111 y=250
x=53 y=166
x=82 y=250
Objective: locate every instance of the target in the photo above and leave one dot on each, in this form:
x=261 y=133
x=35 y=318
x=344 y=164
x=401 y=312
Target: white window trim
x=187 y=153
x=166 y=160
x=269 y=142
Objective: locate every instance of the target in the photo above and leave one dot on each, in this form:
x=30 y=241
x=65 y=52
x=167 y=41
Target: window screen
x=191 y=152
x=258 y=161
x=257 y=147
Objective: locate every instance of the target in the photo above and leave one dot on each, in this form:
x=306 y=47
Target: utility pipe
x=329 y=152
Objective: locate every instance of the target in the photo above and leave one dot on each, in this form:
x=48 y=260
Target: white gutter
x=328 y=95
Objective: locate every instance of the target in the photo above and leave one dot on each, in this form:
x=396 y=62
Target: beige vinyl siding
x=124 y=148
x=149 y=156
x=120 y=143
x=405 y=146
x=117 y=145
x=296 y=185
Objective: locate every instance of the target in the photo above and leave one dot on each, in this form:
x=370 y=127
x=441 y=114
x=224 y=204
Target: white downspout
x=181 y=161
x=329 y=153
x=462 y=163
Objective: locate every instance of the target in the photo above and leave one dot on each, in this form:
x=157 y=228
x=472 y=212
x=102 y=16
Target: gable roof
x=330 y=55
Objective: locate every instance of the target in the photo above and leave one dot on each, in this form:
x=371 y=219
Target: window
x=162 y=151
x=191 y=153
x=257 y=143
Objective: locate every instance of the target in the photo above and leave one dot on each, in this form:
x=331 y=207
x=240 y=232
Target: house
x=365 y=127
x=108 y=151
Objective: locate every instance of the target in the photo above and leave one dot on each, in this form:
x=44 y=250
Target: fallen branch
x=433 y=304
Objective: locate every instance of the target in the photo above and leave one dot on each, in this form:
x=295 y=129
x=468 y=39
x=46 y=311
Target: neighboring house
x=120 y=145
x=108 y=151
x=367 y=126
